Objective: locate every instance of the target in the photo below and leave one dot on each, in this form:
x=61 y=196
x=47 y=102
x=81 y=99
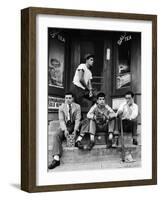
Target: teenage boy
x=69 y=119
x=100 y=118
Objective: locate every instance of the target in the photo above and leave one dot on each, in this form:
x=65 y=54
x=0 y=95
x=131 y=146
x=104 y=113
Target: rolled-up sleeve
x=90 y=114
x=112 y=114
x=120 y=109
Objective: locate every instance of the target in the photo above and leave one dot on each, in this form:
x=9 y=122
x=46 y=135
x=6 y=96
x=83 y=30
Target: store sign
x=124 y=38
x=55 y=102
x=58 y=36
x=116 y=102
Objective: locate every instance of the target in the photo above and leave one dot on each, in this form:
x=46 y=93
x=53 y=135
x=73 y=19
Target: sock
x=110 y=136
x=79 y=138
x=92 y=138
x=56 y=157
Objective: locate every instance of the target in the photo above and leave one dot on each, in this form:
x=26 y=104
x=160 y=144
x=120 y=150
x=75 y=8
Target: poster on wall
x=123 y=80
x=56 y=58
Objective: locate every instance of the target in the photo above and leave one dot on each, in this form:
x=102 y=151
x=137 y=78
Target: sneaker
x=129 y=158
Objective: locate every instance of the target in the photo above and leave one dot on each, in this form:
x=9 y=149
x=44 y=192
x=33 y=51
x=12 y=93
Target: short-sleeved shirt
x=87 y=75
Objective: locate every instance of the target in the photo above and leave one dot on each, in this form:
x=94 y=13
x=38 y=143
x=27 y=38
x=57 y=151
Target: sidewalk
x=98 y=158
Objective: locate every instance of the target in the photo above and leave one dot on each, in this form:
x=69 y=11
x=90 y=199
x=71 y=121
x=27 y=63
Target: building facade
x=117 y=64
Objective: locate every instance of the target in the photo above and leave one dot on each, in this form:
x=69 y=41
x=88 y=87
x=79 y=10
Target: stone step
x=99 y=140
x=106 y=164
x=99 y=153
x=54 y=125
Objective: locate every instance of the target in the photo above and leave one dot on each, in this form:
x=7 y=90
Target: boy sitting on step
x=100 y=118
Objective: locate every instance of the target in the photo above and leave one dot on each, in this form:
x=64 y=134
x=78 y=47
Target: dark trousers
x=128 y=126
x=106 y=127
x=80 y=94
x=58 y=138
x=89 y=125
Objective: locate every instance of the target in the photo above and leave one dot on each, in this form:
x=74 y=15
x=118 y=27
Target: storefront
x=117 y=66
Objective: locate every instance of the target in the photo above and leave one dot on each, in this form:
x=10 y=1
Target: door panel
x=94 y=47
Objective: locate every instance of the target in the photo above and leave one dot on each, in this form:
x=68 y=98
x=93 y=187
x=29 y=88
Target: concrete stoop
x=98 y=158
x=99 y=139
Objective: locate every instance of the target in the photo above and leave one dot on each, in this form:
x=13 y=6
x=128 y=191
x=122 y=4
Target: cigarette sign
x=54 y=102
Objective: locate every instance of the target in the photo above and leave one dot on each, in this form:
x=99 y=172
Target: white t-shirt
x=68 y=114
x=87 y=75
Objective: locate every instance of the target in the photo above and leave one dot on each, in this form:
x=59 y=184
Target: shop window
x=123 y=71
x=56 y=58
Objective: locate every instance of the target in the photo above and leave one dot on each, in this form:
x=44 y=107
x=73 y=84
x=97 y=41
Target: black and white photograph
x=94 y=99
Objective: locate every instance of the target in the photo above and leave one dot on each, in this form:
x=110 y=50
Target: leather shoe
x=109 y=144
x=54 y=164
x=79 y=145
x=135 y=142
x=90 y=146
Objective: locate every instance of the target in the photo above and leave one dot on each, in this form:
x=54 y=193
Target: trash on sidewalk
x=129 y=158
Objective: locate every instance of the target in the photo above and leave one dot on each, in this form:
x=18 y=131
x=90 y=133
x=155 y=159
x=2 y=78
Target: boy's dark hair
x=101 y=94
x=69 y=93
x=129 y=93
x=88 y=55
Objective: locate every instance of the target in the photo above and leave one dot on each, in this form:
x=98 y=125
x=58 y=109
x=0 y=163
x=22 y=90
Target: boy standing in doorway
x=82 y=86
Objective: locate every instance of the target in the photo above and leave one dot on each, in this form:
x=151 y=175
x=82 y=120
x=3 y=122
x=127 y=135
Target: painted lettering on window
x=124 y=38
